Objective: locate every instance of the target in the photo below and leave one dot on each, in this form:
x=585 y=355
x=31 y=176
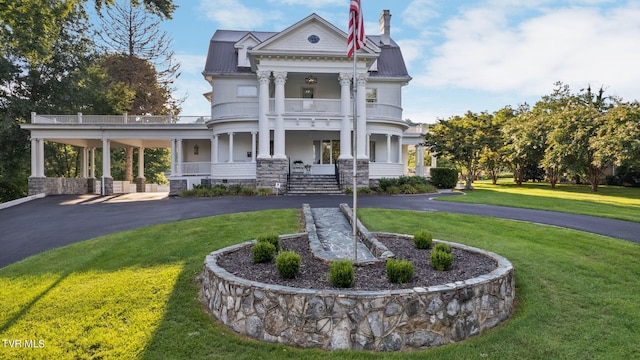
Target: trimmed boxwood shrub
x=273 y=239
x=422 y=239
x=399 y=271
x=444 y=178
x=288 y=264
x=442 y=247
x=441 y=260
x=263 y=252
x=341 y=273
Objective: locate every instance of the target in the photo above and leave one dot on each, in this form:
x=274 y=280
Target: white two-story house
x=281 y=103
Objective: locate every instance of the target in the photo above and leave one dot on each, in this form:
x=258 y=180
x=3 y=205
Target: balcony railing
x=116 y=119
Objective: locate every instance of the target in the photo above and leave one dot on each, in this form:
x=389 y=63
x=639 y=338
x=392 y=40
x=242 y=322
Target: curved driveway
x=55 y=221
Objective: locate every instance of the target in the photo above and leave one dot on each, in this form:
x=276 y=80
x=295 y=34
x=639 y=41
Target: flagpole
x=355 y=142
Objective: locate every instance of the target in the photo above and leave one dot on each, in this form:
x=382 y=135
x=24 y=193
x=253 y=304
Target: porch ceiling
x=119 y=143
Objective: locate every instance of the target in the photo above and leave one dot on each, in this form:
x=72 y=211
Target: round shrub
x=441 y=260
x=442 y=247
x=444 y=178
x=408 y=189
x=341 y=273
x=263 y=252
x=399 y=271
x=272 y=239
x=288 y=264
x=422 y=239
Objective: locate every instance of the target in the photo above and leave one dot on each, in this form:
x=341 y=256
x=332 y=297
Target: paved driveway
x=55 y=221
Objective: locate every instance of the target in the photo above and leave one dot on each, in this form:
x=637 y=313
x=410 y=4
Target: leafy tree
x=493 y=156
x=463 y=139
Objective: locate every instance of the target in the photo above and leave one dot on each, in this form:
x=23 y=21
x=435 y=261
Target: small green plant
x=399 y=271
x=235 y=189
x=288 y=264
x=264 y=191
x=442 y=247
x=341 y=273
x=272 y=239
x=263 y=252
x=441 y=260
x=408 y=189
x=365 y=191
x=422 y=239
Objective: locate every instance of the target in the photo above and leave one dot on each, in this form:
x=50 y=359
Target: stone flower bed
x=380 y=320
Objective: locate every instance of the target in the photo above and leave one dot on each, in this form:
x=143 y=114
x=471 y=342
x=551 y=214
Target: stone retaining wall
x=58 y=186
x=360 y=320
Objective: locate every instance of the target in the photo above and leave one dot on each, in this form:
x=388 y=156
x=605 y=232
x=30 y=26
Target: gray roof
x=222 y=57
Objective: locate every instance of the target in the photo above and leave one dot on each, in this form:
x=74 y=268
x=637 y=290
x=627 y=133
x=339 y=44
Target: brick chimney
x=385 y=27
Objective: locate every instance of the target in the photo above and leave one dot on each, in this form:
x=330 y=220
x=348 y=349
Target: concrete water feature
x=384 y=320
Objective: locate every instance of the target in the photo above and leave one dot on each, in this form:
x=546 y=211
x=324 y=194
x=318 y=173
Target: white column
x=34 y=157
x=279 y=132
x=368 y=147
x=420 y=160
x=140 y=162
x=106 y=158
x=362 y=115
x=345 y=112
x=93 y=163
x=434 y=160
x=85 y=162
x=179 y=157
x=388 y=148
x=400 y=149
x=263 y=109
x=253 y=146
x=230 y=147
x=40 y=161
x=173 y=157
x=214 y=149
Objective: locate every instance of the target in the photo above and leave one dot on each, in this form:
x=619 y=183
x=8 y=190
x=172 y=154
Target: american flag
x=356 y=28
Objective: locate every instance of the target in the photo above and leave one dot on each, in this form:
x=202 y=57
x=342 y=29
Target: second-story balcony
x=326 y=107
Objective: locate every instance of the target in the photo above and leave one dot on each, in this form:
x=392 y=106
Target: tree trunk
x=594 y=178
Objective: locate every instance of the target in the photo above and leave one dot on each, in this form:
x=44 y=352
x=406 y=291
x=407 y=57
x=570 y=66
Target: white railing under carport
x=234 y=170
x=127 y=119
x=385 y=170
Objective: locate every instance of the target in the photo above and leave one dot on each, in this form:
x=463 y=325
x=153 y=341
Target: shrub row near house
x=222 y=190
x=444 y=178
x=405 y=185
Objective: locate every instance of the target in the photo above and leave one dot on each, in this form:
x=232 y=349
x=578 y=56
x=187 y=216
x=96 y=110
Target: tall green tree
x=462 y=139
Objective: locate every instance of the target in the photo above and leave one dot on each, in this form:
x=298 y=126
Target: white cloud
x=578 y=45
x=419 y=12
x=233 y=14
x=193 y=64
x=314 y=4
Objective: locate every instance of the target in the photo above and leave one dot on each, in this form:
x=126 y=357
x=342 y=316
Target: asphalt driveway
x=53 y=221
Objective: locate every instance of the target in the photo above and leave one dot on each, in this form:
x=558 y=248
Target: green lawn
x=134 y=294
x=610 y=201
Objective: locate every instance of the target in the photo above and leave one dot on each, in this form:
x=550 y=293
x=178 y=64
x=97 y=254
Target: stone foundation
x=272 y=171
x=141 y=184
x=345 y=172
x=107 y=186
x=177 y=186
x=58 y=186
x=385 y=320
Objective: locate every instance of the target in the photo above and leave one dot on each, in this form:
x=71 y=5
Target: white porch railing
x=196 y=168
x=234 y=170
x=312 y=106
x=235 y=110
x=385 y=170
x=116 y=119
x=384 y=111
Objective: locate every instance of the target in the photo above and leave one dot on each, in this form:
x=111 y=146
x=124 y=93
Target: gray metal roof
x=222 y=57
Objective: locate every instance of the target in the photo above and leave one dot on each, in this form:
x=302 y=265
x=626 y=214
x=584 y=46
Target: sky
x=463 y=55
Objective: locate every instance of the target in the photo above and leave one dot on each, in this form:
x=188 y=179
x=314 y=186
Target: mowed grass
x=609 y=201
x=135 y=295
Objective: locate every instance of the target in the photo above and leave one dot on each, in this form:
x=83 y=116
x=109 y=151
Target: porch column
x=400 y=149
x=279 y=133
x=388 y=148
x=40 y=158
x=263 y=109
x=214 y=149
x=362 y=115
x=85 y=162
x=34 y=157
x=106 y=158
x=173 y=157
x=420 y=161
x=93 y=163
x=230 y=147
x=368 y=147
x=434 y=160
x=253 y=146
x=179 y=157
x=345 y=112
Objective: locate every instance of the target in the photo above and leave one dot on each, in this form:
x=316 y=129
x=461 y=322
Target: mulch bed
x=314 y=273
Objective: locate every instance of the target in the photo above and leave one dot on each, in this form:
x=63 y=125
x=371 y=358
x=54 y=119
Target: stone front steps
x=300 y=184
